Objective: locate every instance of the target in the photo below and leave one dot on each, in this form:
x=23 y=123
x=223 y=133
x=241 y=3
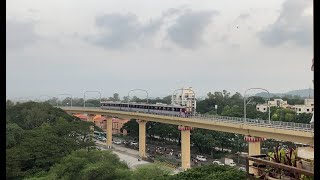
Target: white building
x=274 y=103
x=185 y=97
x=307 y=107
x=278 y=103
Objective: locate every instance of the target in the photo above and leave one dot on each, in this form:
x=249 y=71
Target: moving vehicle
x=201 y=158
x=229 y=162
x=217 y=162
x=174 y=110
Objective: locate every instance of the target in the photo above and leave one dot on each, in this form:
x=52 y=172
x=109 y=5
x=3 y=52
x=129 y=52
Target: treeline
x=232 y=106
x=38 y=136
x=104 y=165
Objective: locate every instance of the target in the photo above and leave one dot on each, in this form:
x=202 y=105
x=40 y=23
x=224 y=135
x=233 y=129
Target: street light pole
x=138 y=90
x=245 y=104
x=181 y=89
x=84 y=97
x=64 y=95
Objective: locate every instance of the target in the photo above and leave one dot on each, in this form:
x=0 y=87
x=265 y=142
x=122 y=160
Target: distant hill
x=303 y=93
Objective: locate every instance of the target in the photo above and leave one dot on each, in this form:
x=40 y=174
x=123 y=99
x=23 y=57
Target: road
x=127 y=155
x=131 y=156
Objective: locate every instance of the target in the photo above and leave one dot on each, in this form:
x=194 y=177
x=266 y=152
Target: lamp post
x=84 y=97
x=138 y=90
x=181 y=89
x=245 y=104
x=64 y=95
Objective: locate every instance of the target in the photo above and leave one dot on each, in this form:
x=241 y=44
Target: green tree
x=208 y=172
x=304 y=118
x=9 y=103
x=125 y=98
x=116 y=97
x=132 y=128
x=150 y=171
x=167 y=99
x=13 y=134
x=84 y=165
x=38 y=136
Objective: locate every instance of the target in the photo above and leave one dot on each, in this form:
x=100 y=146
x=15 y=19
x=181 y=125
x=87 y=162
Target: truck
x=229 y=162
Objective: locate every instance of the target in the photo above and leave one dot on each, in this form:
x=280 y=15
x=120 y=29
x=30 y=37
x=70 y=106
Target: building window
x=264 y=108
x=299 y=109
x=308 y=110
x=312 y=109
x=258 y=108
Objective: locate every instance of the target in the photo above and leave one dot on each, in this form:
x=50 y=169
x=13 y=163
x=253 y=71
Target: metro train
x=175 y=110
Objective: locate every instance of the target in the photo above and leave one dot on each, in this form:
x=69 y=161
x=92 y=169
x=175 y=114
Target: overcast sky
x=70 y=46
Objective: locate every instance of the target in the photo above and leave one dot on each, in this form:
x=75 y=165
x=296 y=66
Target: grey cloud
x=235 y=46
x=20 y=34
x=189 y=27
x=243 y=16
x=118 y=31
x=291 y=25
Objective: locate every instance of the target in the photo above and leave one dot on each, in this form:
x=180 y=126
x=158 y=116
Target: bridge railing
x=235 y=120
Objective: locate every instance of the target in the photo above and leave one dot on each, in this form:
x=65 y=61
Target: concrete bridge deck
x=286 y=131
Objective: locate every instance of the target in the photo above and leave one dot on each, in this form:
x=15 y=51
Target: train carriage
x=174 y=110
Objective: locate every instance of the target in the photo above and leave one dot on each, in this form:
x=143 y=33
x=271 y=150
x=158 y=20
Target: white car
x=218 y=163
x=117 y=142
x=232 y=164
x=201 y=158
x=133 y=143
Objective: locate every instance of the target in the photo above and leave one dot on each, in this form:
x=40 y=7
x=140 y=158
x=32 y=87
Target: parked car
x=117 y=142
x=217 y=162
x=133 y=143
x=201 y=158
